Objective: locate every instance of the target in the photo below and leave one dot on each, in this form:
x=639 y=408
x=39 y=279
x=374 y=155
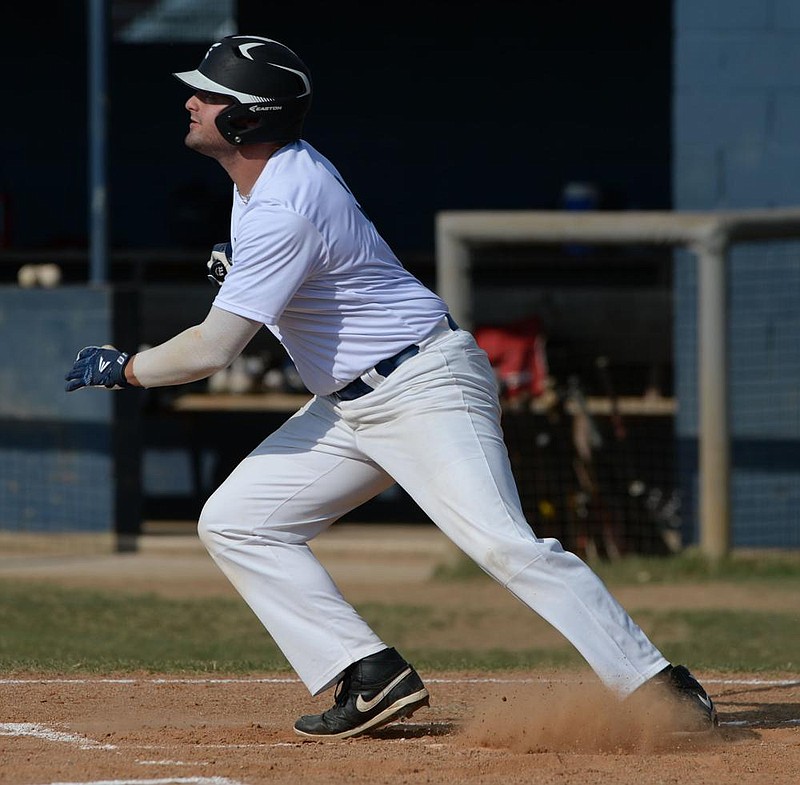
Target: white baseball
x=26 y=276
x=49 y=275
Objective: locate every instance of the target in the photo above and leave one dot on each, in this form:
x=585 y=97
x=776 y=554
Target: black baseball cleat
x=698 y=712
x=371 y=693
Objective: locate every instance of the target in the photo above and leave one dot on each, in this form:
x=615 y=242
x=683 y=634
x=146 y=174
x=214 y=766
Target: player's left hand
x=98 y=366
x=219 y=263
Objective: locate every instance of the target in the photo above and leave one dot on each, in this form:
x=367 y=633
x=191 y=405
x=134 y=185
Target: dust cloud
x=576 y=717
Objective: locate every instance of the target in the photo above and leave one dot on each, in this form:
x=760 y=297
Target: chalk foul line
x=162 y=781
x=49 y=734
x=290 y=680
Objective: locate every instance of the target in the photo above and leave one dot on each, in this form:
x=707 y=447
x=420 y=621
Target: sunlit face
x=204 y=136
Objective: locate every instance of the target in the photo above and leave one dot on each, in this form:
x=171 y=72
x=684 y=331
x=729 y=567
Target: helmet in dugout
x=270 y=84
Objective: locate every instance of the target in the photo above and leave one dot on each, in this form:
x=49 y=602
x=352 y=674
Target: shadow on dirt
x=414 y=730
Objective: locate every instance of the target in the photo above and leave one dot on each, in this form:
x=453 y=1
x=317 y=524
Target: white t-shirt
x=311 y=266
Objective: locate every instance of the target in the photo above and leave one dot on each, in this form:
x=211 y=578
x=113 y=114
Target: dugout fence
x=716 y=258
x=708 y=304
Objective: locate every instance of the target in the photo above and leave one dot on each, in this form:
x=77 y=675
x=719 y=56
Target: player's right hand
x=219 y=263
x=98 y=366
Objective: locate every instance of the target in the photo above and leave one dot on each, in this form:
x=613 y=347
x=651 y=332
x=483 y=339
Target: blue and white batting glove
x=98 y=366
x=219 y=263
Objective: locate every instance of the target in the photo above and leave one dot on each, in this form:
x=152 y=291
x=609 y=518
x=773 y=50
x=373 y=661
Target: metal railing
x=709 y=235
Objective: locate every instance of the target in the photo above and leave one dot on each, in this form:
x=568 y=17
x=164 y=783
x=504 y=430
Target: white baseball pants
x=433 y=426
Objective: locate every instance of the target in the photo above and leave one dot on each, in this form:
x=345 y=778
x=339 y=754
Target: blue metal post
x=98 y=202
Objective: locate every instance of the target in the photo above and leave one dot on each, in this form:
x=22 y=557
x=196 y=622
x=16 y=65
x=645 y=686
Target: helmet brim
x=199 y=81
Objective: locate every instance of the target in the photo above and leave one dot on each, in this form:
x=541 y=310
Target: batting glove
x=219 y=264
x=98 y=366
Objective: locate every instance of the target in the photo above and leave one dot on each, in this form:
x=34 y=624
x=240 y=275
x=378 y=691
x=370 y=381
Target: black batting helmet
x=268 y=81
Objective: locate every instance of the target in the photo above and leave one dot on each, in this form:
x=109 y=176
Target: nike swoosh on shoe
x=365 y=706
x=705 y=701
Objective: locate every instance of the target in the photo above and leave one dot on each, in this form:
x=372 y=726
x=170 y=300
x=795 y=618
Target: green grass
x=727 y=640
x=50 y=629
x=691 y=565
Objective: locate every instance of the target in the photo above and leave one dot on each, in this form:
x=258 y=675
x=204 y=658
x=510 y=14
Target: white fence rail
x=709 y=235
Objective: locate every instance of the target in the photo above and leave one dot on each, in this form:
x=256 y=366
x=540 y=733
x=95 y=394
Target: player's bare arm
x=196 y=353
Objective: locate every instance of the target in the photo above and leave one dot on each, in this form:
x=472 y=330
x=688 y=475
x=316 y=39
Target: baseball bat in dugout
x=597 y=530
x=653 y=524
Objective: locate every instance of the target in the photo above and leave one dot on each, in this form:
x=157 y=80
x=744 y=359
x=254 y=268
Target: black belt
x=359 y=387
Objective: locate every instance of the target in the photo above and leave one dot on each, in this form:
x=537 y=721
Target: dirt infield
x=537 y=727
x=531 y=728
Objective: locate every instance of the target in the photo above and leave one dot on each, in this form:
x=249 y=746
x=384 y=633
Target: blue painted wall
x=736 y=103
x=736 y=144
x=60 y=467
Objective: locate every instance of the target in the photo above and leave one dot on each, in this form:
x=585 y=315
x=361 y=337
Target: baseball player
x=400 y=394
